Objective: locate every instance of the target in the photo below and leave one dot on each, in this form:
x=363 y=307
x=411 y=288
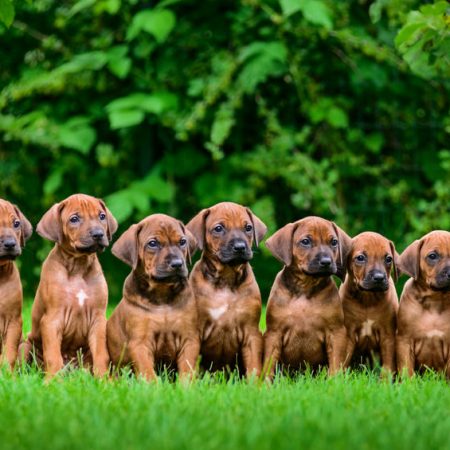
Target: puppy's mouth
x=441 y=286
x=93 y=248
x=9 y=256
x=317 y=271
x=170 y=277
x=235 y=259
x=373 y=287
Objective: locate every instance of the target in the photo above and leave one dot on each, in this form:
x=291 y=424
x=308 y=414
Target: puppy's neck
x=6 y=269
x=430 y=298
x=222 y=275
x=74 y=263
x=299 y=283
x=141 y=289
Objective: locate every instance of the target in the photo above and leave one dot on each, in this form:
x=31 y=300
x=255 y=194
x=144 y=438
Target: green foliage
x=424 y=40
x=290 y=107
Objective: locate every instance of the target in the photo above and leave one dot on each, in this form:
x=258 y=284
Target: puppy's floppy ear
x=409 y=261
x=395 y=261
x=110 y=220
x=280 y=244
x=25 y=225
x=197 y=227
x=126 y=247
x=50 y=226
x=192 y=242
x=259 y=228
x=345 y=247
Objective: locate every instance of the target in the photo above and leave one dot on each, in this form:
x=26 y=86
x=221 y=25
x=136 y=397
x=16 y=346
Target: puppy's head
x=80 y=224
x=315 y=246
x=428 y=260
x=159 y=246
x=371 y=259
x=15 y=229
x=227 y=231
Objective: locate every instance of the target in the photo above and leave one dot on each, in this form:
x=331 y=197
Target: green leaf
x=317 y=12
x=289 y=7
x=120 y=205
x=6 y=12
x=125 y=118
x=53 y=182
x=337 y=117
x=157 y=22
x=77 y=134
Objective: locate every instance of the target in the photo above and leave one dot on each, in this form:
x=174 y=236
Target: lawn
x=349 y=411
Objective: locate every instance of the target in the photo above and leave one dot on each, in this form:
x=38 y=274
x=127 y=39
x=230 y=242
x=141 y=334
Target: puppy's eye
x=433 y=256
x=248 y=228
x=16 y=223
x=305 y=241
x=360 y=258
x=102 y=216
x=388 y=259
x=334 y=242
x=153 y=243
x=218 y=228
x=74 y=219
x=183 y=242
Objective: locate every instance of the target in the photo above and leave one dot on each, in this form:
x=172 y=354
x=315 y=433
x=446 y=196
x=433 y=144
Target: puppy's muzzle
x=442 y=281
x=9 y=248
x=94 y=242
x=173 y=270
x=236 y=251
x=376 y=281
x=322 y=265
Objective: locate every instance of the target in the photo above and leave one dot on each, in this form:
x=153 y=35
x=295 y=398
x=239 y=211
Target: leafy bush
x=291 y=107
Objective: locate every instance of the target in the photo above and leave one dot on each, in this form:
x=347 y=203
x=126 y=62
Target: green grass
x=350 y=411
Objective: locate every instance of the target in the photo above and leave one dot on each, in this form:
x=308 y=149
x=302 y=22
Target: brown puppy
x=370 y=301
x=227 y=295
x=156 y=320
x=305 y=321
x=423 y=336
x=69 y=310
x=14 y=231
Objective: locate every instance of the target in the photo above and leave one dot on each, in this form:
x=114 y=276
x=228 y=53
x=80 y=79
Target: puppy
x=370 y=301
x=14 y=232
x=305 y=321
x=69 y=310
x=227 y=295
x=423 y=336
x=156 y=320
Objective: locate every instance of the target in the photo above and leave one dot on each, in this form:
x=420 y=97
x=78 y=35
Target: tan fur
x=15 y=230
x=156 y=320
x=227 y=295
x=305 y=321
x=370 y=309
x=69 y=310
x=423 y=336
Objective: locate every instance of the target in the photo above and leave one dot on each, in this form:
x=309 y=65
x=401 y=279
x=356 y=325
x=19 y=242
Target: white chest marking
x=81 y=296
x=215 y=313
x=435 y=333
x=366 y=329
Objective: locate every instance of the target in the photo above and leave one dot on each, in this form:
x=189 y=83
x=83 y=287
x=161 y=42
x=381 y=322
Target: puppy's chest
x=221 y=306
x=433 y=325
x=304 y=314
x=80 y=295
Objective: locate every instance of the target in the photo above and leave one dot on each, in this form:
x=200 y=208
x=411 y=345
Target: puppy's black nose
x=325 y=261
x=239 y=246
x=97 y=234
x=176 y=263
x=9 y=243
x=379 y=277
